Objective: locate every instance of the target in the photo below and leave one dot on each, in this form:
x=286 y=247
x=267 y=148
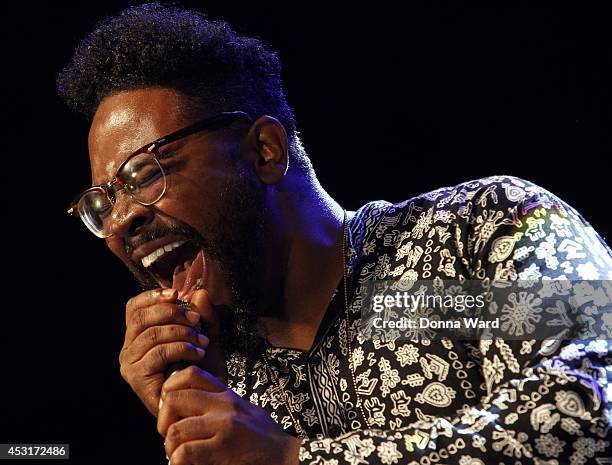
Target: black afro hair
x=156 y=45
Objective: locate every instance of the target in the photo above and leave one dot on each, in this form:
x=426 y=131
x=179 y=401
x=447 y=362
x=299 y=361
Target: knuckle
x=173 y=435
x=128 y=316
x=162 y=354
x=160 y=427
x=123 y=372
x=122 y=356
x=189 y=450
x=138 y=320
x=128 y=374
x=171 y=400
x=129 y=306
x=154 y=335
x=191 y=371
x=136 y=301
x=180 y=455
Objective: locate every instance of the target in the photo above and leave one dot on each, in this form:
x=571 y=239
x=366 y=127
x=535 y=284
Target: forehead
x=126 y=121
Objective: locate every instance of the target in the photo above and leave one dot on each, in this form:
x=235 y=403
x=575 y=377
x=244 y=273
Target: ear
x=269 y=140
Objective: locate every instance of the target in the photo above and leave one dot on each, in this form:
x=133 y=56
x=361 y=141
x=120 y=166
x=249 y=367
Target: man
x=258 y=278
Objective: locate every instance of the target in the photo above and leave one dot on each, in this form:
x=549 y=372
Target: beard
x=234 y=239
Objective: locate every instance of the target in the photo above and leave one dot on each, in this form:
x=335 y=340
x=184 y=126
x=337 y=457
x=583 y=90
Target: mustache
x=176 y=229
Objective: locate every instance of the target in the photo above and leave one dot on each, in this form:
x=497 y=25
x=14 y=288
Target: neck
x=311 y=261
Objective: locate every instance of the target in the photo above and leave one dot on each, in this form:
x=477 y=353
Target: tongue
x=188 y=281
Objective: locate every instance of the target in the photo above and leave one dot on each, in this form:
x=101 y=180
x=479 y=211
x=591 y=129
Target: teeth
x=153 y=256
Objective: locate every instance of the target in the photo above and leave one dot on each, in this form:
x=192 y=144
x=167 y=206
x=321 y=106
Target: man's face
x=210 y=219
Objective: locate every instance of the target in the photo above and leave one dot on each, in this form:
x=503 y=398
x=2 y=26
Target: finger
x=159 y=357
x=192 y=377
x=162 y=334
x=158 y=314
x=189 y=429
x=192 y=453
x=148 y=298
x=183 y=404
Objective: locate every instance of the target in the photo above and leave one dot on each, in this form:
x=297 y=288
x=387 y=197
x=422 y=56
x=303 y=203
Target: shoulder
x=461 y=204
x=472 y=220
x=492 y=192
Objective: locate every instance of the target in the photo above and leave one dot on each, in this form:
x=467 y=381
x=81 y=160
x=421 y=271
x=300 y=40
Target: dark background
x=390 y=103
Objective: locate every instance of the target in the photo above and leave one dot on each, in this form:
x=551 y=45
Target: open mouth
x=180 y=265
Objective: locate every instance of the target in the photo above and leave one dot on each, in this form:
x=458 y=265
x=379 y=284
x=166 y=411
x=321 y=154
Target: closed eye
x=166 y=154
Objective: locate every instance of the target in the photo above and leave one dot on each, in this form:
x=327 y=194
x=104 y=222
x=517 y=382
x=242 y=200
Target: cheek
x=195 y=197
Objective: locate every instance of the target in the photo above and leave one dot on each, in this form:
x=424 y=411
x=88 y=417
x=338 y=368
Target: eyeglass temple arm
x=72 y=208
x=210 y=123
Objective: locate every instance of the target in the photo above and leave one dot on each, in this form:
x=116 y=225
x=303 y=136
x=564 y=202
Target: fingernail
x=168 y=292
x=193 y=317
x=161 y=402
x=200 y=351
x=203 y=340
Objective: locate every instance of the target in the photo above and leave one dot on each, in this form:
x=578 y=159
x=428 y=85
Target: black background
x=390 y=103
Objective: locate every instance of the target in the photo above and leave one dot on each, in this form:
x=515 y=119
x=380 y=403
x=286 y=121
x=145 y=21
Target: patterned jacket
x=516 y=399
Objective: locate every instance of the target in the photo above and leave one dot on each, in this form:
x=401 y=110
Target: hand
x=204 y=422
x=159 y=332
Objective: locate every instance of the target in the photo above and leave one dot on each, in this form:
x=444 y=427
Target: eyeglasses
x=141 y=175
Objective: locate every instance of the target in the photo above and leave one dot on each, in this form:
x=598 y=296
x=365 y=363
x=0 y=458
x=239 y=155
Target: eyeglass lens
x=143 y=178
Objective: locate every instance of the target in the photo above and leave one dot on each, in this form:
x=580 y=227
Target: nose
x=128 y=216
